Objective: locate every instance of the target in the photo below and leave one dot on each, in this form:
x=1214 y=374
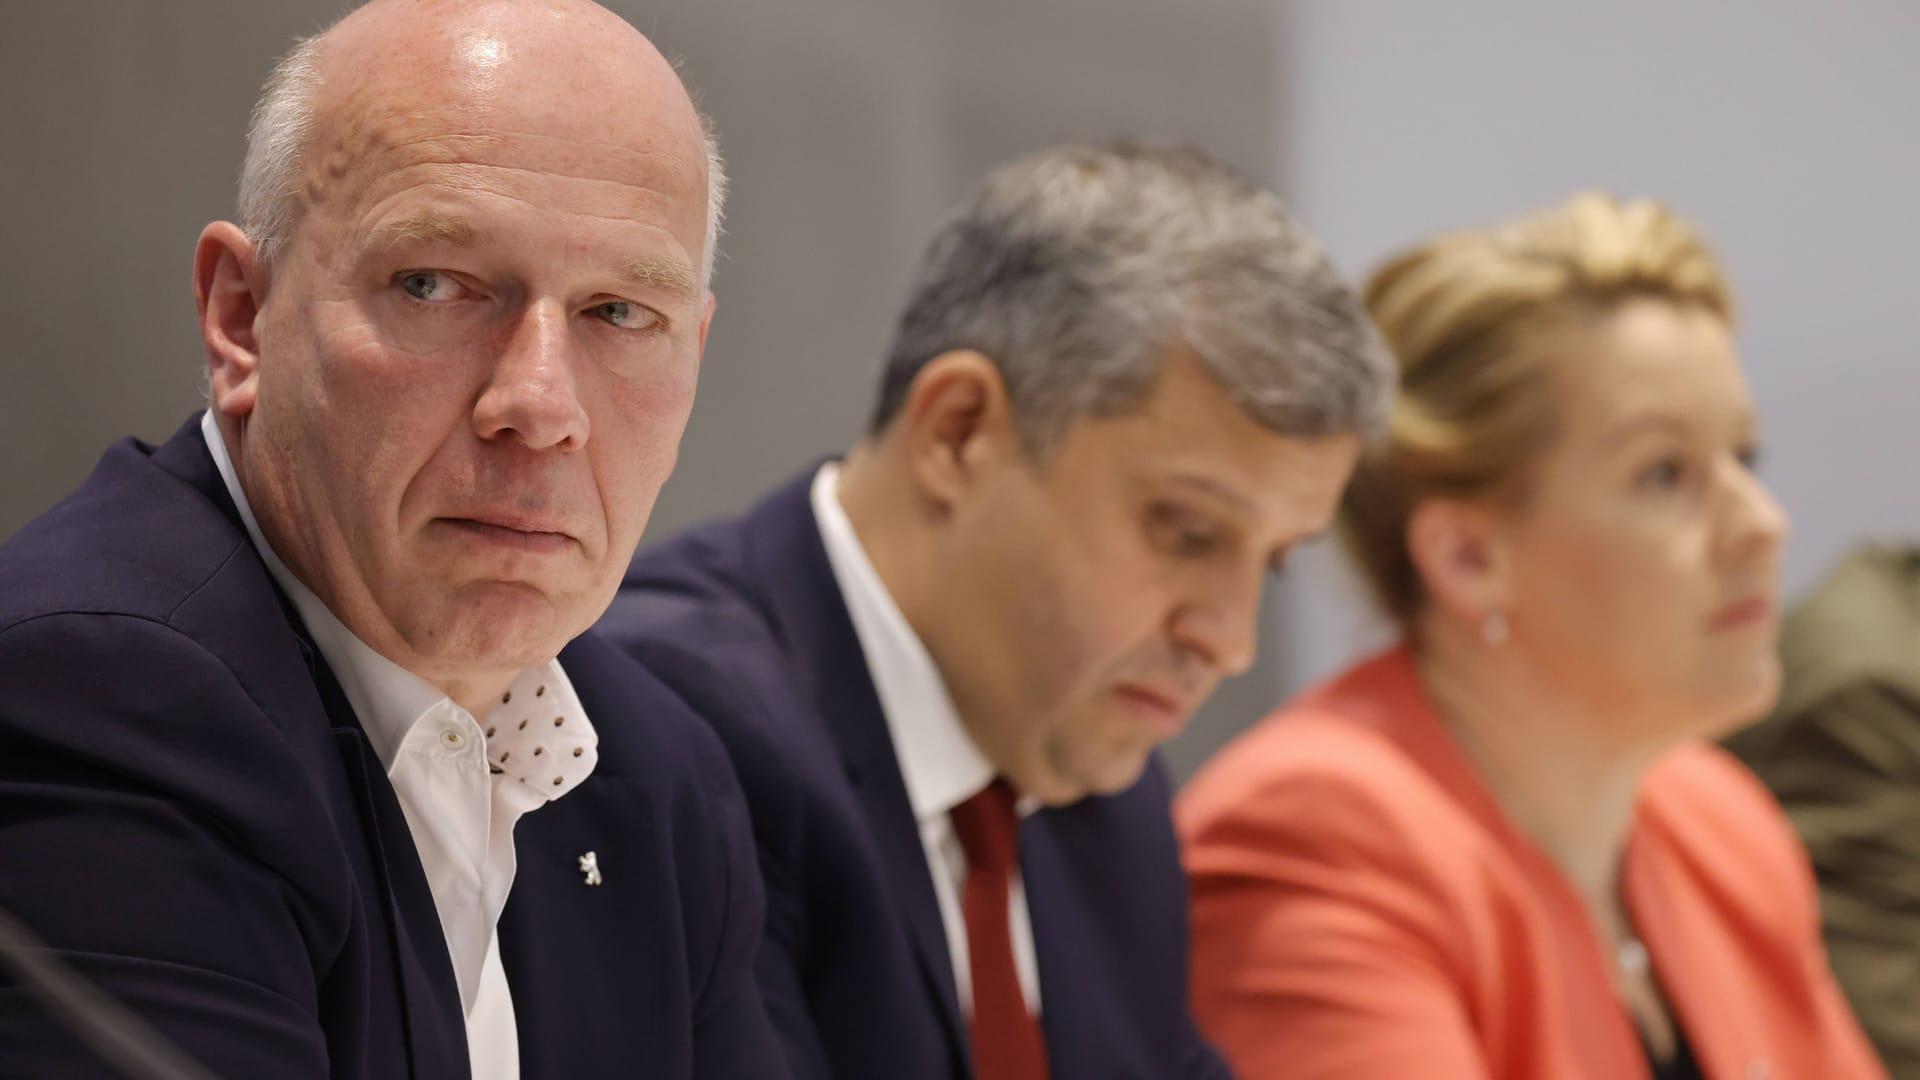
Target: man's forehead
x=1238 y=465
x=388 y=135
x=414 y=179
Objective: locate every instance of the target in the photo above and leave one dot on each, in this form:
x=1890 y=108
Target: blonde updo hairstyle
x=1477 y=322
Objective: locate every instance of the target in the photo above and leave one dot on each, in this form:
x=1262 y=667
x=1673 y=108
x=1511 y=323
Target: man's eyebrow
x=1209 y=486
x=646 y=272
x=428 y=228
x=653 y=272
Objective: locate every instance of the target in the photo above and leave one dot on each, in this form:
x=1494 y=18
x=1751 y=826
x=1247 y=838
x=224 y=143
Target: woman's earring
x=1494 y=629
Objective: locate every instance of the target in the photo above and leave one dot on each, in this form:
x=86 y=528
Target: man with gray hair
x=1126 y=384
x=304 y=755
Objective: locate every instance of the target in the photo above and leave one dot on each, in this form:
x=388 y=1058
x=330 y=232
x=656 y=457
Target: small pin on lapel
x=590 y=866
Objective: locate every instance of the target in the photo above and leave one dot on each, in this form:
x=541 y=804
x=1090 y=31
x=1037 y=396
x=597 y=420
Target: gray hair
x=1079 y=271
x=282 y=122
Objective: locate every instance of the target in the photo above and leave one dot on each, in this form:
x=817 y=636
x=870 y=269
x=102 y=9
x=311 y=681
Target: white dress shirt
x=460 y=810
x=940 y=764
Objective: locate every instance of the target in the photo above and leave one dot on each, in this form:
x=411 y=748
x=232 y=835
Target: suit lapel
x=431 y=1011
x=1053 y=906
x=435 y=1028
x=1112 y=968
x=896 y=836
x=789 y=559
x=585 y=960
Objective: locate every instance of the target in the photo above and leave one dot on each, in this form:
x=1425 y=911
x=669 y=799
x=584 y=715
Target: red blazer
x=1363 y=910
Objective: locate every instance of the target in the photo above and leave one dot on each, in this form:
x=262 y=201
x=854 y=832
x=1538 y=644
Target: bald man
x=304 y=754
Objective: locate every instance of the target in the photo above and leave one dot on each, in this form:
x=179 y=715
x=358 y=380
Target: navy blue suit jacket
x=745 y=620
x=191 y=815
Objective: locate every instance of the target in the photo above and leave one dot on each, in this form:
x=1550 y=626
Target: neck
x=1555 y=765
x=477 y=694
x=882 y=506
x=898 y=529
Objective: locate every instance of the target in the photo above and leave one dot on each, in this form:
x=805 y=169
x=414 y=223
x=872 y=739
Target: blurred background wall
x=1783 y=128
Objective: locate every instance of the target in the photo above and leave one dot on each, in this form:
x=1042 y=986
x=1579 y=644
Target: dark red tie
x=1007 y=1044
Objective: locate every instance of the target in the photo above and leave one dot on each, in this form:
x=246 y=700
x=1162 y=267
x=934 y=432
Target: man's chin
x=1109 y=775
x=510 y=628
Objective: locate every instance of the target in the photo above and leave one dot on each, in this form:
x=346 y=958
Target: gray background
x=1784 y=129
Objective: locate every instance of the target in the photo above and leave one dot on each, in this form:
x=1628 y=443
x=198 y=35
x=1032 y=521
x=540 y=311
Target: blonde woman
x=1505 y=849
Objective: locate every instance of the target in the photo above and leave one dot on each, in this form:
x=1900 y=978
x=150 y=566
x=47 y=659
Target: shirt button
x=452 y=739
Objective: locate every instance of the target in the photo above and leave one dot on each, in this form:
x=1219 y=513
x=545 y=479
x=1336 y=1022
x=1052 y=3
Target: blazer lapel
x=1697 y=958
x=789 y=559
x=435 y=1028
x=1054 y=906
x=896 y=836
x=586 y=959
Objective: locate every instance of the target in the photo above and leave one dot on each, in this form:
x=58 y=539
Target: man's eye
x=429 y=285
x=1198 y=541
x=626 y=315
x=1185 y=533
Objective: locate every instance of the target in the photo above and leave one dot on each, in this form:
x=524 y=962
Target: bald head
x=562 y=69
x=454 y=342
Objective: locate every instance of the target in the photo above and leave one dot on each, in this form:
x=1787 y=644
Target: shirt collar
x=388 y=699
x=939 y=762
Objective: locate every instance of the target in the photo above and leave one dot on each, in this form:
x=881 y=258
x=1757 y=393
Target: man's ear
x=956 y=422
x=229 y=287
x=706 y=320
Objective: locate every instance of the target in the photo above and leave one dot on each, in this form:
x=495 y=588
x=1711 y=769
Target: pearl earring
x=1494 y=629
